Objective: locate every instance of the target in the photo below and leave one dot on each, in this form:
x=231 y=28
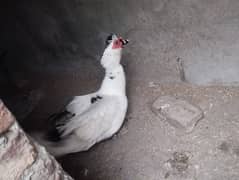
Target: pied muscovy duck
x=91 y=118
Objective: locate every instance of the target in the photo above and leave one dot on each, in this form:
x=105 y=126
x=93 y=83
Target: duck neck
x=114 y=81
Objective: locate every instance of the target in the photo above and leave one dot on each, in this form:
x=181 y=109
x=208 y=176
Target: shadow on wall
x=64 y=36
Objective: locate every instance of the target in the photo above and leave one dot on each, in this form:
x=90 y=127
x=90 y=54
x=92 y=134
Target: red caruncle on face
x=117 y=44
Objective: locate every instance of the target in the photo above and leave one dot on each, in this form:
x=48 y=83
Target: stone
x=45 y=167
x=17 y=153
x=177 y=112
x=3 y=141
x=6 y=118
x=20 y=157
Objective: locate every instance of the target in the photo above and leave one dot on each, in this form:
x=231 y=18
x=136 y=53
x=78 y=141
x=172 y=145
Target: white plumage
x=91 y=118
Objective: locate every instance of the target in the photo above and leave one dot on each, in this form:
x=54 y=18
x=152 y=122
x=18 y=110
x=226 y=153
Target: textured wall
x=53 y=47
x=70 y=35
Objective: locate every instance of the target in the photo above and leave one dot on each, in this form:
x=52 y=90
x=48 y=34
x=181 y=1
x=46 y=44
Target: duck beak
x=124 y=41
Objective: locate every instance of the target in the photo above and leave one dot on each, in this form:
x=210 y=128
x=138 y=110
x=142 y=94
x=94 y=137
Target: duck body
x=91 y=118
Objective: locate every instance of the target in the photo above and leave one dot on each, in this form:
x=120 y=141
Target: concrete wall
x=54 y=47
x=70 y=36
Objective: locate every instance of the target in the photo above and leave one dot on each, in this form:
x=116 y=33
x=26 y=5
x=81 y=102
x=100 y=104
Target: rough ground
x=146 y=147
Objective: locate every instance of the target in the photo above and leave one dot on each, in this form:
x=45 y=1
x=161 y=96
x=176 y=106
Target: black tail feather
x=53 y=134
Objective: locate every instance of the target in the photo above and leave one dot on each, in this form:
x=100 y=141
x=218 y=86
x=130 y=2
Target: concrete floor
x=185 y=48
x=145 y=146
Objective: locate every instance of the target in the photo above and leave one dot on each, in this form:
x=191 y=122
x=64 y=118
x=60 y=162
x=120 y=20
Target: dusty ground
x=148 y=148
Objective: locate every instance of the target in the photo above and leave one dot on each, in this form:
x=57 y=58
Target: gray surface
x=66 y=35
x=146 y=147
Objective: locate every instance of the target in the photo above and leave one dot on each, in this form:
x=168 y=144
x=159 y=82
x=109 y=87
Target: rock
x=45 y=167
x=16 y=154
x=6 y=118
x=20 y=157
x=179 y=113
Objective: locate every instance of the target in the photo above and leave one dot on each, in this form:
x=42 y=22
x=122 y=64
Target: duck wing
x=77 y=106
x=94 y=121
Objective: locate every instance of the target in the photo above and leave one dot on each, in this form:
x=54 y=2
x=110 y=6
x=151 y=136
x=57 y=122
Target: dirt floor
x=148 y=147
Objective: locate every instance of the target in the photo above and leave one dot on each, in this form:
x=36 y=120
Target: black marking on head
x=112 y=77
x=109 y=39
x=124 y=41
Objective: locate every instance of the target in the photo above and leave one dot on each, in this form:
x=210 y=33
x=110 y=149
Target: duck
x=91 y=118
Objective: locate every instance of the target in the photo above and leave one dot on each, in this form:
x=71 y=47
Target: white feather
x=80 y=103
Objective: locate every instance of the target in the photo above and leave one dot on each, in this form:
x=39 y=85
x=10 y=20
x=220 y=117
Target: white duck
x=91 y=118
